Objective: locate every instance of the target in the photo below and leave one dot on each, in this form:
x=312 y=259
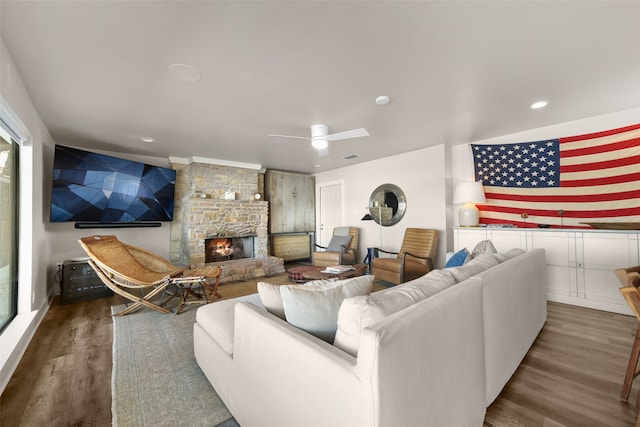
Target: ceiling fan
x=320 y=136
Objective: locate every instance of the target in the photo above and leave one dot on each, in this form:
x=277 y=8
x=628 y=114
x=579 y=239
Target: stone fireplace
x=206 y=212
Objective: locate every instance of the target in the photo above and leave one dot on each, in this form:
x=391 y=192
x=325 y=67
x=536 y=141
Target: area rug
x=156 y=380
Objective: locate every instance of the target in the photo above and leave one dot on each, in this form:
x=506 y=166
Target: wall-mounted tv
x=96 y=188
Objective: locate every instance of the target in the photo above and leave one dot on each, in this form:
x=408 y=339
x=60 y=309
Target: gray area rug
x=156 y=380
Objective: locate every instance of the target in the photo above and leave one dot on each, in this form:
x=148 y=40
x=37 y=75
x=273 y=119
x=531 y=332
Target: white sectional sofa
x=435 y=351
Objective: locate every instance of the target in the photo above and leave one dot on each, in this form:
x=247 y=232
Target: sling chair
x=138 y=275
x=341 y=250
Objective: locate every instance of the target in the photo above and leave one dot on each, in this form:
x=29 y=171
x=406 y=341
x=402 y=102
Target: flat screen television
x=96 y=188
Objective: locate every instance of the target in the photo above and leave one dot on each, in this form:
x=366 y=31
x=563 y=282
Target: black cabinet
x=79 y=282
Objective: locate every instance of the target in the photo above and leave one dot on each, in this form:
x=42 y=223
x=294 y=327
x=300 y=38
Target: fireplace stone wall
x=202 y=211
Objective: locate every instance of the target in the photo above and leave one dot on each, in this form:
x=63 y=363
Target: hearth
x=218 y=249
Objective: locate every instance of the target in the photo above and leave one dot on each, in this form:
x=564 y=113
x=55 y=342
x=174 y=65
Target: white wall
x=33 y=256
x=420 y=174
x=42 y=244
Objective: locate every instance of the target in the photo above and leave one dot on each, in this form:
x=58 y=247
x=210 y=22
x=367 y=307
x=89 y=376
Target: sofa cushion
x=485 y=260
x=272 y=299
x=458 y=258
x=473 y=267
x=357 y=313
x=483 y=247
x=218 y=319
x=314 y=308
x=506 y=256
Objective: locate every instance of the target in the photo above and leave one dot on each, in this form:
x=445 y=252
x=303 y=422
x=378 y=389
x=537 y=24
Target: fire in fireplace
x=219 y=249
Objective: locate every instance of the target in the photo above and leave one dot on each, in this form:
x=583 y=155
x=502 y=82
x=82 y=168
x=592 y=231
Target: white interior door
x=330 y=211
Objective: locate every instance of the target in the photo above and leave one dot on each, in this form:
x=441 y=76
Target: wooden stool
x=209 y=274
x=197 y=284
x=630 y=279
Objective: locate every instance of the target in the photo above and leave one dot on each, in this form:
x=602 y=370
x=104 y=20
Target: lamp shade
x=469 y=193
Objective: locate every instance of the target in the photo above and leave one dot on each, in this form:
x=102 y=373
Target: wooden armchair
x=342 y=250
x=415 y=258
x=630 y=280
x=140 y=276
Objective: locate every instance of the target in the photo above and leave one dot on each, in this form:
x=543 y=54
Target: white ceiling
x=97 y=72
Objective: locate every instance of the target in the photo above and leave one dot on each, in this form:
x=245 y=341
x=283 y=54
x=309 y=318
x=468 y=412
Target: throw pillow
x=458 y=259
x=357 y=313
x=484 y=247
x=314 y=308
x=272 y=300
x=336 y=243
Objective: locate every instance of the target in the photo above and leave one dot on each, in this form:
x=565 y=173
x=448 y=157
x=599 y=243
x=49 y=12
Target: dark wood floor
x=571 y=376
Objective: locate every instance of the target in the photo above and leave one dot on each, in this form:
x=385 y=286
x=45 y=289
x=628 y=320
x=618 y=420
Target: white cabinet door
x=597 y=257
x=468 y=237
x=580 y=263
x=502 y=239
x=506 y=239
x=560 y=253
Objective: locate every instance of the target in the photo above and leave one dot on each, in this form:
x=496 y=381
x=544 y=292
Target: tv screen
x=95 y=187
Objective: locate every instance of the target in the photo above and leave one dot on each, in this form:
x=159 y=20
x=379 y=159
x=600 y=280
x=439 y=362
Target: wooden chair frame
x=630 y=280
x=139 y=275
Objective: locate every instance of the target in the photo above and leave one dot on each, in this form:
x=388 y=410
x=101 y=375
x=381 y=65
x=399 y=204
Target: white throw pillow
x=357 y=313
x=272 y=300
x=314 y=308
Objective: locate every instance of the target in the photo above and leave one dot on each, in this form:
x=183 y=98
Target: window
x=9 y=151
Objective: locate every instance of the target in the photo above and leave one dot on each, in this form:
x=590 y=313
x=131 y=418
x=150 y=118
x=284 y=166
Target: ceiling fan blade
x=288 y=136
x=354 y=133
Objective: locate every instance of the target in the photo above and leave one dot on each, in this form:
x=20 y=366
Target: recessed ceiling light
x=539 y=104
x=184 y=72
x=146 y=139
x=382 y=100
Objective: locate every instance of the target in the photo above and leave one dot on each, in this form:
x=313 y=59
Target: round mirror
x=387 y=204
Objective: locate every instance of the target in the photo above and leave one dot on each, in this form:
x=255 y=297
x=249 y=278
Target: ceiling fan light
x=319 y=144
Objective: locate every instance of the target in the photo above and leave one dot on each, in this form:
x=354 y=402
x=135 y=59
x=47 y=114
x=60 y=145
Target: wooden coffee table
x=316 y=273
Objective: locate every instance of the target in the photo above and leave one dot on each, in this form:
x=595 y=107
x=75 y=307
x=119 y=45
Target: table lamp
x=469 y=193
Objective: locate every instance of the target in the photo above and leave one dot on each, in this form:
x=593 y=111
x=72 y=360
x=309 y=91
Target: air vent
x=350 y=156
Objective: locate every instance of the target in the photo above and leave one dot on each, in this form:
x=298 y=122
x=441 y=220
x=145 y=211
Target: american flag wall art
x=561 y=182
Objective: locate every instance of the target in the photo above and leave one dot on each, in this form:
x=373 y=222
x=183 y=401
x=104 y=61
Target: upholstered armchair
x=341 y=250
x=415 y=259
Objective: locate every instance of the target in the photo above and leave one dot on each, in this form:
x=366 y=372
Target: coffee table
x=317 y=274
